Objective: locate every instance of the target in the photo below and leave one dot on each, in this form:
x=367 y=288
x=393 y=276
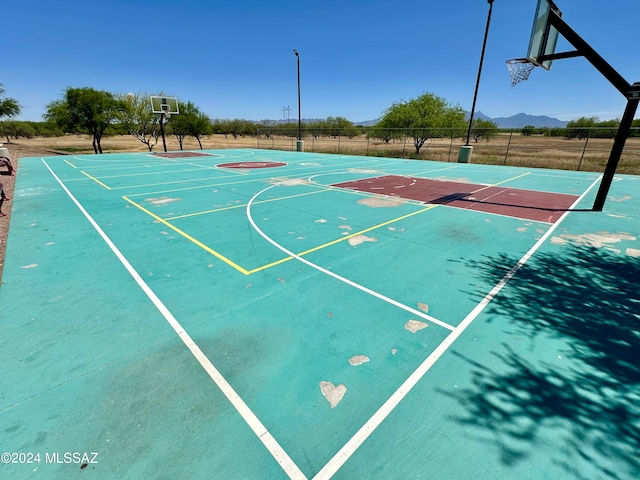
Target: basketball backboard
x=163 y=104
x=544 y=37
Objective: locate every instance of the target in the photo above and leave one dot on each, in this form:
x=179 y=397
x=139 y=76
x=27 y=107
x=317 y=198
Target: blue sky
x=234 y=59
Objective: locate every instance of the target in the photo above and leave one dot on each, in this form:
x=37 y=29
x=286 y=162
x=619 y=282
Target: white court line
x=374 y=422
x=249 y=417
x=335 y=275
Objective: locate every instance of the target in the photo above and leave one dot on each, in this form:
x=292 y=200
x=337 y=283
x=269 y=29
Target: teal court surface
x=249 y=314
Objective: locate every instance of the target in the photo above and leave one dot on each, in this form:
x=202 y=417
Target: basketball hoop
x=520 y=69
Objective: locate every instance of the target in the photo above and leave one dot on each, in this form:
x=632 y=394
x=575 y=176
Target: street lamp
x=299 y=143
x=475 y=95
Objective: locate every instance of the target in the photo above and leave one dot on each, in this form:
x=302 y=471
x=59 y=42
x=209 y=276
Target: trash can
x=299 y=145
x=464 y=156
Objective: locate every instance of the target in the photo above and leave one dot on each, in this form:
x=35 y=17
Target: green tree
x=137 y=117
x=9 y=107
x=190 y=121
x=340 y=126
x=483 y=129
x=528 y=130
x=424 y=117
x=580 y=127
x=85 y=110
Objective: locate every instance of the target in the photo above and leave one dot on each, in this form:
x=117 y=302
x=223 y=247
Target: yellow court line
x=342 y=239
x=218 y=177
x=189 y=237
x=96 y=180
x=68 y=162
x=155 y=173
x=243 y=205
x=500 y=183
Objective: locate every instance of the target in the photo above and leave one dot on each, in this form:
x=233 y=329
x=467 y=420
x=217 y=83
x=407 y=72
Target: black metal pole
x=299 y=119
x=616 y=152
x=164 y=142
x=484 y=46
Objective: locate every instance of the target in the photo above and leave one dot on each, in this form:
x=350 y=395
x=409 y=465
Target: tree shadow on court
x=587 y=301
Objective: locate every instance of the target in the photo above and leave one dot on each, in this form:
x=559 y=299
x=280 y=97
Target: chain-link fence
x=570 y=149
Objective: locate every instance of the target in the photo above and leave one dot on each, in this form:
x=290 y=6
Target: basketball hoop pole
x=164 y=142
x=475 y=94
x=631 y=92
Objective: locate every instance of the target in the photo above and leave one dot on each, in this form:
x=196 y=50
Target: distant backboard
x=543 y=36
x=162 y=104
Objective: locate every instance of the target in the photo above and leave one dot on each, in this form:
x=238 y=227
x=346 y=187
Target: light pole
x=299 y=142
x=475 y=95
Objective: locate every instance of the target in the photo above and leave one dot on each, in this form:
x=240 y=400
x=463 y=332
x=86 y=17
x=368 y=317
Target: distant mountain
x=515 y=121
x=523 y=120
x=367 y=123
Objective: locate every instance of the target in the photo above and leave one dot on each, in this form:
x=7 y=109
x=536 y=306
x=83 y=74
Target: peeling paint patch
x=423 y=306
x=358 y=239
x=164 y=233
x=322 y=220
x=33 y=265
x=281 y=280
x=596 y=240
x=330 y=315
x=452 y=179
x=362 y=170
x=210 y=265
x=522 y=229
x=345 y=227
x=50 y=243
x=289 y=182
x=333 y=393
x=358 y=360
x=394 y=351
x=414 y=325
x=382 y=202
x=633 y=252
x=392 y=229
x=621 y=199
x=161 y=200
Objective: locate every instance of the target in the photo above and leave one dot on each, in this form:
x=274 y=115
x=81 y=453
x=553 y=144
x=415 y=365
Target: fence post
x=338 y=140
x=584 y=149
x=258 y=136
x=404 y=143
x=508 y=145
x=450 y=147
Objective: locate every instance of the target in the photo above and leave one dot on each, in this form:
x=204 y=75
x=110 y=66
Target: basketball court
x=265 y=314
x=245 y=314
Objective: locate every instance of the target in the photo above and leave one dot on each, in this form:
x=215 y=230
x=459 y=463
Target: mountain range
x=515 y=121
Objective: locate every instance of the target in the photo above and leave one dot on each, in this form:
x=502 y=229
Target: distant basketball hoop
x=519 y=69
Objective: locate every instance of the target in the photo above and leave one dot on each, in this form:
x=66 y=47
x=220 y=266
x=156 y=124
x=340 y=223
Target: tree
x=190 y=121
x=9 y=107
x=528 y=130
x=423 y=117
x=483 y=129
x=85 y=110
x=340 y=126
x=137 y=117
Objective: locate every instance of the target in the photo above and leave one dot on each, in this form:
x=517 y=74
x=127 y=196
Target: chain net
x=520 y=69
